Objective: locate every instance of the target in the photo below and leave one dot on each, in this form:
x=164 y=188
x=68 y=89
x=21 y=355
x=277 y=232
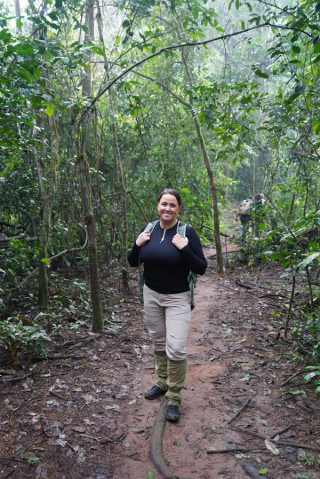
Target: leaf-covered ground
x=82 y=414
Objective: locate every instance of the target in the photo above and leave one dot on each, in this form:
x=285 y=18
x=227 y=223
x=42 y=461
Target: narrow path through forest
x=236 y=397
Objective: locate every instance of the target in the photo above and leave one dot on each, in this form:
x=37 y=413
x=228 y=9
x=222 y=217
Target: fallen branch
x=12 y=380
x=282 y=296
x=282 y=443
x=281 y=432
x=115 y=440
x=68 y=356
x=81 y=343
x=233 y=449
x=293 y=376
x=243 y=285
x=3 y=459
x=239 y=411
x=250 y=470
x=8 y=473
x=60 y=397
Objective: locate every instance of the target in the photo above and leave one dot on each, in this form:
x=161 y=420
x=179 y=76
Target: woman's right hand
x=143 y=238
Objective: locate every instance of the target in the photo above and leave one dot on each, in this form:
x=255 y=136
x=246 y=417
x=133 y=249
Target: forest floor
x=82 y=413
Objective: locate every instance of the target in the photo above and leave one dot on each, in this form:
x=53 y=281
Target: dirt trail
x=86 y=417
x=233 y=362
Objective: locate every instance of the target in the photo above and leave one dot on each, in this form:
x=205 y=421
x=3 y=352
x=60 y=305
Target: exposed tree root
x=156 y=444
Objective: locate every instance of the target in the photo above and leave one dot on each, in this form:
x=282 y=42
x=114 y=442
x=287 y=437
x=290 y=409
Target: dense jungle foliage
x=102 y=105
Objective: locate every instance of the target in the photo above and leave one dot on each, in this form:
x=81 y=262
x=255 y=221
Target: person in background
x=245 y=216
x=168 y=258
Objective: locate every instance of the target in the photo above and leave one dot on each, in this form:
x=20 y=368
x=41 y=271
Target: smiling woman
x=168 y=259
x=168 y=209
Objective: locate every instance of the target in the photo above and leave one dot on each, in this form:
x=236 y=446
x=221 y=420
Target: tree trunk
x=86 y=82
x=213 y=188
x=97 y=315
x=18 y=12
x=47 y=171
x=253 y=175
x=123 y=243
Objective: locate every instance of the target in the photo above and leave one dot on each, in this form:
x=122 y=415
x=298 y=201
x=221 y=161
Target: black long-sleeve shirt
x=166 y=268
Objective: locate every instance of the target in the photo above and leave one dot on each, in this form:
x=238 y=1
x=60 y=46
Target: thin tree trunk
x=47 y=169
x=253 y=175
x=97 y=315
x=123 y=243
x=213 y=187
x=290 y=216
x=286 y=328
x=86 y=82
x=18 y=12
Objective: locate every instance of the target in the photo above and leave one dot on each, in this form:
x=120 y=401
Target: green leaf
x=195 y=13
x=211 y=448
x=47 y=55
x=308 y=260
x=309 y=376
x=19 y=23
x=150 y=475
x=291 y=98
x=261 y=74
x=296 y=49
x=316 y=59
x=49 y=110
x=316 y=128
x=263 y=470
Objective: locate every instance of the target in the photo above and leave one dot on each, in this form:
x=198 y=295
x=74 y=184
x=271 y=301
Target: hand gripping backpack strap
x=192 y=277
x=149 y=227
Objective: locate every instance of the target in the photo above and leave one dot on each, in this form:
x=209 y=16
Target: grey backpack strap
x=181 y=229
x=150 y=227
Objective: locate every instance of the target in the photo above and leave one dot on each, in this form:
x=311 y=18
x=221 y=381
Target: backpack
x=244 y=207
x=192 y=277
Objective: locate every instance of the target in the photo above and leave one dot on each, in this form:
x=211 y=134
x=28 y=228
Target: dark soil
x=82 y=413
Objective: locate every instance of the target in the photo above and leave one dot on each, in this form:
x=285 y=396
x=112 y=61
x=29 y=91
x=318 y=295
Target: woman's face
x=168 y=208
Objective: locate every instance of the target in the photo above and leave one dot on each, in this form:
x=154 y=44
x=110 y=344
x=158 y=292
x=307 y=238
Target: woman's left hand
x=179 y=242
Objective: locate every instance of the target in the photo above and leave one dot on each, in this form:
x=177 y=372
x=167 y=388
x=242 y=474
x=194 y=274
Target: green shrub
x=16 y=337
x=314 y=375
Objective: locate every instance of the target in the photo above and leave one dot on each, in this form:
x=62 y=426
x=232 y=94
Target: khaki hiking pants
x=168 y=319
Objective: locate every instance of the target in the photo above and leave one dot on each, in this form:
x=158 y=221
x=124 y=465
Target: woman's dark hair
x=169 y=191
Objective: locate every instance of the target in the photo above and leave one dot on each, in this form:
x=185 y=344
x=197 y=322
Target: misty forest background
x=103 y=104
